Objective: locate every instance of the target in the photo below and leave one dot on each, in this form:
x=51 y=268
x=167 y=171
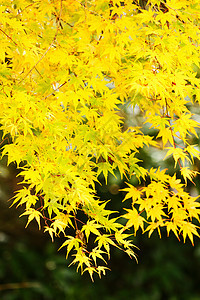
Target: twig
x=55 y=90
x=59 y=18
x=20 y=285
x=19 y=12
x=8 y=36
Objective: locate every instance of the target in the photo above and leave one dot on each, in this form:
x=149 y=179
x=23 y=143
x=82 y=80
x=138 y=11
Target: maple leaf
x=32 y=214
x=86 y=88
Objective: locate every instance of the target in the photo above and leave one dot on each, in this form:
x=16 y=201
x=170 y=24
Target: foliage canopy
x=67 y=69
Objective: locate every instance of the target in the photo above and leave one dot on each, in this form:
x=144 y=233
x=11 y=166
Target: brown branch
x=55 y=90
x=59 y=18
x=8 y=36
x=20 y=285
x=4 y=141
x=76 y=226
x=19 y=12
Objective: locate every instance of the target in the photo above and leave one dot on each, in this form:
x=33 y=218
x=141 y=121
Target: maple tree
x=67 y=69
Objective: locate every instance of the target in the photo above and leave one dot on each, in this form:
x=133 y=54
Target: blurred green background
x=31 y=268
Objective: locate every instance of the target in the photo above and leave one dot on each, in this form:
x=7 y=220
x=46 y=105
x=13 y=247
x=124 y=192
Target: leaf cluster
x=67 y=69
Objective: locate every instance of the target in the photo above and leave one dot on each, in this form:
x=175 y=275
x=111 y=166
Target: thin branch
x=20 y=285
x=19 y=12
x=55 y=90
x=4 y=141
x=8 y=36
x=76 y=226
x=38 y=72
x=59 y=18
